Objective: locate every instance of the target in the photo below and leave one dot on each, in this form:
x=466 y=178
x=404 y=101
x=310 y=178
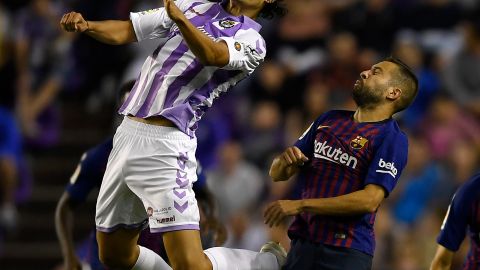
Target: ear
x=394 y=93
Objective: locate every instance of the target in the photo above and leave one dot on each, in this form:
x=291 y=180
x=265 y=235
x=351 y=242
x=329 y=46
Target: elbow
x=371 y=205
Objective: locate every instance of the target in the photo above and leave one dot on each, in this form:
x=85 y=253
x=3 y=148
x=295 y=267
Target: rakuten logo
x=336 y=155
x=389 y=166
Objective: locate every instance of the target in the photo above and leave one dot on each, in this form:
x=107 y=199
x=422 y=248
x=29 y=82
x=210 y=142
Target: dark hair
x=408 y=82
x=124 y=89
x=272 y=10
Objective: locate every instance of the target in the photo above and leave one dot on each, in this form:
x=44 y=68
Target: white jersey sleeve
x=155 y=23
x=247 y=50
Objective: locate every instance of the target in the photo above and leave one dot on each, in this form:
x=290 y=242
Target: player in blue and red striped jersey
x=463 y=216
x=348 y=162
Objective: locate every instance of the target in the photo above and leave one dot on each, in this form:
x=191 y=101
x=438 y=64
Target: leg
x=184 y=250
x=118 y=249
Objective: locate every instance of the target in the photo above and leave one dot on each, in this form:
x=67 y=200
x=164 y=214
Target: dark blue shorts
x=305 y=255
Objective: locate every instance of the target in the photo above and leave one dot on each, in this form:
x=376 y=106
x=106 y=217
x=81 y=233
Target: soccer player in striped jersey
x=348 y=162
x=208 y=48
x=463 y=216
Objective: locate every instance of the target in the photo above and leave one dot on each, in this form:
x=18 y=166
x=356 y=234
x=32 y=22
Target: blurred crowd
x=314 y=55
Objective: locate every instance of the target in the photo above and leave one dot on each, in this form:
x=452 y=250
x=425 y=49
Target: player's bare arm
x=287 y=164
x=209 y=52
x=443 y=259
x=63 y=226
x=113 y=32
x=363 y=201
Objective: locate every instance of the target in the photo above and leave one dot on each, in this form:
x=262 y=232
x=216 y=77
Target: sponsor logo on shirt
x=336 y=155
x=358 y=143
x=387 y=167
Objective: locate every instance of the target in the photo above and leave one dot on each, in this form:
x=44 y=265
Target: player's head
x=268 y=8
x=389 y=82
x=124 y=91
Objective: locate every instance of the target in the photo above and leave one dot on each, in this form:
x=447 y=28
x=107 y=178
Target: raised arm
x=443 y=259
x=113 y=32
x=287 y=164
x=208 y=51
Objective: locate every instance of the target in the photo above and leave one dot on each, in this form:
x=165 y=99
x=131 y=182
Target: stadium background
x=314 y=56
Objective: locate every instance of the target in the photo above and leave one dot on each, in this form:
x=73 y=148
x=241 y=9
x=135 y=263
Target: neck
x=236 y=9
x=379 y=113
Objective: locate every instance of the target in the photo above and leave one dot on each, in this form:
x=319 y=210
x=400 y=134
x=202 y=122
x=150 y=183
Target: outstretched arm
x=208 y=51
x=363 y=201
x=114 y=32
x=64 y=226
x=443 y=259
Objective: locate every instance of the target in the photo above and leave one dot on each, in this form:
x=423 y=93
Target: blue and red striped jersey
x=463 y=216
x=344 y=157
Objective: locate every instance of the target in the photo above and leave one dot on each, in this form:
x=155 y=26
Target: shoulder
x=470 y=189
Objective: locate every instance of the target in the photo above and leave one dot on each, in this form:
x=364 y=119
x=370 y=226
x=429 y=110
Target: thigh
x=301 y=256
x=121 y=243
x=340 y=258
x=184 y=250
x=117 y=206
x=161 y=172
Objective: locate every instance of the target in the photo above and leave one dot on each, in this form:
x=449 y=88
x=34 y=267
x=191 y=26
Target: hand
x=172 y=10
x=279 y=210
x=293 y=156
x=74 y=22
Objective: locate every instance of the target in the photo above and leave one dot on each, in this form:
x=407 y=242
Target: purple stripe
x=183 y=79
x=201 y=19
x=219 y=77
x=132 y=93
x=176 y=228
x=142 y=225
x=159 y=77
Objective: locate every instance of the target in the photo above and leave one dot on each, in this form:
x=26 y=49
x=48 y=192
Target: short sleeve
x=89 y=172
x=155 y=23
x=389 y=161
x=246 y=49
x=306 y=141
x=454 y=226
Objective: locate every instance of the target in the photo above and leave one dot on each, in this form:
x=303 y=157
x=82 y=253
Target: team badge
x=358 y=143
x=227 y=23
x=238 y=46
x=149 y=211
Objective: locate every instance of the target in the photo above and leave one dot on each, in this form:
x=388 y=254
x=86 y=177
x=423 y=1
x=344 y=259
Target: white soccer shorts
x=149 y=175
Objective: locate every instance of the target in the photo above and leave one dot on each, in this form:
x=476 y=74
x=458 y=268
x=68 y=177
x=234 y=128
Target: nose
x=365 y=74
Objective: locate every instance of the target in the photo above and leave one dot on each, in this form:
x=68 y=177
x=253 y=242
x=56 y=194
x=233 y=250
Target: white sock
x=149 y=260
x=241 y=259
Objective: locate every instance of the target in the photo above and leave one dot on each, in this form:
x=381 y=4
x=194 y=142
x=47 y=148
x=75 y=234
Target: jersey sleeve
x=155 y=23
x=306 y=142
x=246 y=49
x=454 y=226
x=389 y=161
x=89 y=172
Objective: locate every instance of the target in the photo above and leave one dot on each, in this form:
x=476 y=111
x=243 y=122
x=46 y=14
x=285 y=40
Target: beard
x=364 y=96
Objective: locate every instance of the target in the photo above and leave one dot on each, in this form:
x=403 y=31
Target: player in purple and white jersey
x=348 y=162
x=208 y=48
x=463 y=216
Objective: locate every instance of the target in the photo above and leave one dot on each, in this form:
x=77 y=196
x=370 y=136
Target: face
x=257 y=4
x=372 y=86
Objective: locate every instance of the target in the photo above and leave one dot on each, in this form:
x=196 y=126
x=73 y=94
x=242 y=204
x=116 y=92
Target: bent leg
x=118 y=249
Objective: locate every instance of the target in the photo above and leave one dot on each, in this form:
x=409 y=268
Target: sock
x=241 y=259
x=149 y=260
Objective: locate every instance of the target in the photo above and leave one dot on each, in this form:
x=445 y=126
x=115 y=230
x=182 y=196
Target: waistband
x=153 y=131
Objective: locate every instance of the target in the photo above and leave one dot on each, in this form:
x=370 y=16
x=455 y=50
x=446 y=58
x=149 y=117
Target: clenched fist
x=74 y=22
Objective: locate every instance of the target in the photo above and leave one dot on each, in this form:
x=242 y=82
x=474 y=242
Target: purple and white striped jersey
x=172 y=82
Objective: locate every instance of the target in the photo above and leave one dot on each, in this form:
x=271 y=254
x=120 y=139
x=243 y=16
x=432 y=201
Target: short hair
x=274 y=9
x=408 y=83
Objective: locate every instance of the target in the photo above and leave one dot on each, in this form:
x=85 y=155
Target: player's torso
x=342 y=153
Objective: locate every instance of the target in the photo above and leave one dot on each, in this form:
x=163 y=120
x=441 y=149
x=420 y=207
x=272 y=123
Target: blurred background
x=58 y=98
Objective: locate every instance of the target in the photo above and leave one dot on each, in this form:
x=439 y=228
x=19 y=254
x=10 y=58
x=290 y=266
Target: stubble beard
x=365 y=97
